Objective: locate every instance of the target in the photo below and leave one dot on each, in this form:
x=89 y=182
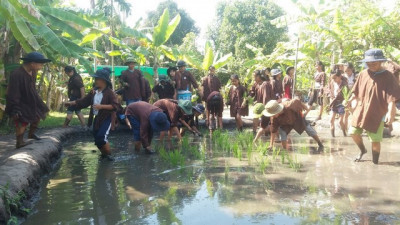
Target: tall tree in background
x=246 y=22
x=186 y=25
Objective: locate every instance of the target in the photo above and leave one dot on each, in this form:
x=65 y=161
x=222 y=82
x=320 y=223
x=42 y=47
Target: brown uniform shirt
x=335 y=101
x=136 y=89
x=141 y=111
x=374 y=93
x=264 y=93
x=185 y=81
x=236 y=98
x=22 y=97
x=215 y=110
x=253 y=90
x=210 y=83
x=277 y=89
x=394 y=68
x=109 y=98
x=75 y=83
x=290 y=118
x=171 y=109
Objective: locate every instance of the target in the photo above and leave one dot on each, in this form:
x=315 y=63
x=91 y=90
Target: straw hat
x=272 y=108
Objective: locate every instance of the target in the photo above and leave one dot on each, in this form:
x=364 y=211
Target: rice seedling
x=249 y=152
x=283 y=156
x=237 y=151
x=185 y=142
x=175 y=157
x=263 y=164
x=294 y=163
x=303 y=149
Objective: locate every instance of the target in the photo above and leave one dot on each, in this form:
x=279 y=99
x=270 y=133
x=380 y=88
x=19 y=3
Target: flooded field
x=223 y=180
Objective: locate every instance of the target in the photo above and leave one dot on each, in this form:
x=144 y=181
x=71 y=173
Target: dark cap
x=374 y=55
x=35 y=57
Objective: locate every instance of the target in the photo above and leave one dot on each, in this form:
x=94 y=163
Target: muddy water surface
x=209 y=183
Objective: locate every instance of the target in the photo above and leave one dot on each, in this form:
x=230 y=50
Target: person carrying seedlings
x=76 y=90
x=184 y=79
x=175 y=111
x=215 y=108
x=287 y=83
x=164 y=88
x=376 y=91
x=276 y=83
x=23 y=103
x=336 y=86
x=192 y=120
x=286 y=117
x=144 y=119
x=317 y=91
x=133 y=82
x=237 y=101
x=104 y=106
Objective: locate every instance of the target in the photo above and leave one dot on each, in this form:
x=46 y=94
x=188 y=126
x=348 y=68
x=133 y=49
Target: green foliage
x=186 y=25
x=13 y=204
x=163 y=31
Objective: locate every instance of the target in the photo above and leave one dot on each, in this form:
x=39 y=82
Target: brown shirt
x=374 y=93
x=109 y=98
x=210 y=83
x=264 y=93
x=290 y=118
x=141 y=111
x=136 y=85
x=215 y=110
x=147 y=90
x=277 y=89
x=22 y=97
x=394 y=68
x=171 y=109
x=185 y=81
x=253 y=90
x=320 y=78
x=339 y=98
x=75 y=83
x=236 y=98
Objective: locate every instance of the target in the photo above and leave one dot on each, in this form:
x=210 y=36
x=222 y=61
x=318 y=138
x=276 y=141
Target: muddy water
x=215 y=187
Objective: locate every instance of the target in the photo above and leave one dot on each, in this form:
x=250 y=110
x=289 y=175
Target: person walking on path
x=144 y=119
x=317 y=92
x=276 y=83
x=336 y=86
x=76 y=90
x=237 y=101
x=184 y=79
x=288 y=116
x=104 y=106
x=23 y=103
x=287 y=83
x=133 y=82
x=175 y=112
x=376 y=91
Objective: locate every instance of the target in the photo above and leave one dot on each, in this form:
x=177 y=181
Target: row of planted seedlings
x=238 y=144
x=230 y=144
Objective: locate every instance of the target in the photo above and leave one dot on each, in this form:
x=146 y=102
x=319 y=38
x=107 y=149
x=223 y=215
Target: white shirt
x=98 y=97
x=335 y=88
x=350 y=79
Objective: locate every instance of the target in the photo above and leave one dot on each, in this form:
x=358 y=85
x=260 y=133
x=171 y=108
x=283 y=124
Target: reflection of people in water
x=105 y=196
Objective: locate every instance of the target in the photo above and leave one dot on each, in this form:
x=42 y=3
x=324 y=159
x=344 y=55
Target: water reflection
x=215 y=187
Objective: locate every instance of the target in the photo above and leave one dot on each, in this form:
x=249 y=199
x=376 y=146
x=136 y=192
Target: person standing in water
x=351 y=75
x=23 y=103
x=276 y=83
x=317 y=91
x=76 y=90
x=336 y=86
x=376 y=91
x=237 y=101
x=104 y=106
x=287 y=83
x=215 y=108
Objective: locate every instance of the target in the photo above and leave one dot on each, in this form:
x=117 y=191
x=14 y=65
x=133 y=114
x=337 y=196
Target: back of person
x=215 y=103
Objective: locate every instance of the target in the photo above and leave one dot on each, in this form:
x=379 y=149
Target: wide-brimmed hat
x=186 y=106
x=276 y=72
x=272 y=108
x=162 y=77
x=199 y=108
x=103 y=74
x=35 y=57
x=130 y=60
x=159 y=121
x=258 y=110
x=374 y=55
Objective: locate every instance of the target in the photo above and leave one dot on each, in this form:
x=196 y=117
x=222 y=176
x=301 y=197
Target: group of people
x=371 y=100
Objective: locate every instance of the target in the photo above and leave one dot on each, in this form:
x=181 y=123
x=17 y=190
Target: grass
x=13 y=204
x=53 y=120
